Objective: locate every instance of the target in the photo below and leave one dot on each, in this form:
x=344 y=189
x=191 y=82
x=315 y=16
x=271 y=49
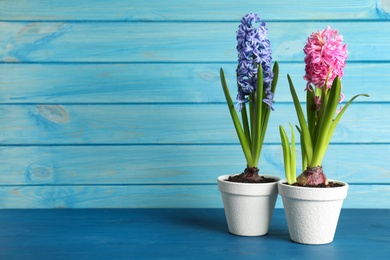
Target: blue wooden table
x=177 y=234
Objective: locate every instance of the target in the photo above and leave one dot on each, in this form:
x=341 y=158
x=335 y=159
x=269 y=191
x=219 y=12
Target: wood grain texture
x=162 y=83
x=200 y=10
x=153 y=196
x=171 y=164
x=120 y=104
x=165 y=124
x=173 y=42
x=131 y=233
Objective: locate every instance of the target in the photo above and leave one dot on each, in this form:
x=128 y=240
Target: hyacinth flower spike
x=325 y=61
x=256 y=87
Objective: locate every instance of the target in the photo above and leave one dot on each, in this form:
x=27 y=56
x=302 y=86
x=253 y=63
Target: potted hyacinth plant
x=312 y=203
x=249 y=198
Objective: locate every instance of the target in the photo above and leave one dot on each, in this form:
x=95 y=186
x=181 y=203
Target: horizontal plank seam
x=174 y=144
x=167 y=62
x=158 y=103
x=124 y=20
x=153 y=184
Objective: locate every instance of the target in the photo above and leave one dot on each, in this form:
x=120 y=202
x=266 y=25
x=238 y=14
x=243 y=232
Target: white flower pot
x=248 y=206
x=312 y=213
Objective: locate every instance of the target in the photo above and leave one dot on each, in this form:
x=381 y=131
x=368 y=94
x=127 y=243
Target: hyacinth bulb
x=312 y=176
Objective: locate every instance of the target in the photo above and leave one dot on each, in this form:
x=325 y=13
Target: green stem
x=244 y=116
x=257 y=119
x=245 y=145
x=251 y=113
x=266 y=111
x=331 y=101
x=305 y=133
x=311 y=112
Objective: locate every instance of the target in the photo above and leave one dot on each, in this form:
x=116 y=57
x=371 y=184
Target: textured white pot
x=312 y=213
x=248 y=206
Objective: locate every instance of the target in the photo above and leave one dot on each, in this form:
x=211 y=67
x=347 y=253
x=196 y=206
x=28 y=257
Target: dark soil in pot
x=329 y=185
x=242 y=179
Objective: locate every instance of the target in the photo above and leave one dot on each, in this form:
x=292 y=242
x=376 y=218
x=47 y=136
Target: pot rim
x=284 y=183
x=223 y=178
x=248 y=189
x=313 y=194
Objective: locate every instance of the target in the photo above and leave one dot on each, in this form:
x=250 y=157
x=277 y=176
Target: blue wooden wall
x=119 y=103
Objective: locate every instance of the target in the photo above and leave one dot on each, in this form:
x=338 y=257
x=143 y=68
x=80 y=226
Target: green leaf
x=286 y=153
x=266 y=111
x=325 y=122
x=308 y=146
x=303 y=152
x=289 y=156
x=340 y=114
x=245 y=145
x=311 y=112
x=275 y=70
x=251 y=113
x=293 y=163
x=245 y=123
x=257 y=119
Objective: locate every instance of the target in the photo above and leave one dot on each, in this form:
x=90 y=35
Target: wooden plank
x=173 y=164
x=154 y=196
x=174 y=233
x=120 y=105
x=200 y=10
x=165 y=124
x=162 y=83
x=198 y=42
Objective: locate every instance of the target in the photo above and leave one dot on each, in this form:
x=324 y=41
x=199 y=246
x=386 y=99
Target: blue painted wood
x=177 y=233
x=120 y=104
x=181 y=124
x=171 y=164
x=167 y=83
x=372 y=196
x=195 y=42
x=200 y=10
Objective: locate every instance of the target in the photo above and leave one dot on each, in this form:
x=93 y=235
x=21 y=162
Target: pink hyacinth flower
x=325 y=57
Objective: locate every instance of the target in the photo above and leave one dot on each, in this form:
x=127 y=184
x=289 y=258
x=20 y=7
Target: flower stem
x=244 y=116
x=257 y=119
x=266 y=111
x=331 y=100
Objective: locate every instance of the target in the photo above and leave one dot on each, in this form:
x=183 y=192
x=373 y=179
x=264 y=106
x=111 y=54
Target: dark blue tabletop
x=178 y=234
